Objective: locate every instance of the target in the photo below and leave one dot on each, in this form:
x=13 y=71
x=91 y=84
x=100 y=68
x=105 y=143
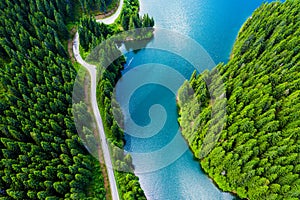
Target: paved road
x=107 y=158
x=92 y=70
x=111 y=19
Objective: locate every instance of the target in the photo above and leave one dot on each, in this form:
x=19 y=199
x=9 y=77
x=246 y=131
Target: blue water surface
x=212 y=23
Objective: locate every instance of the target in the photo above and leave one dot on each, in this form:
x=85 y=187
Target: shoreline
x=231 y=55
x=234 y=194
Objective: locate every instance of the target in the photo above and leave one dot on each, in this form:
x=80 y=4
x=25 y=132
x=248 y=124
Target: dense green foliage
x=130 y=18
x=257 y=154
x=128 y=183
x=100 y=5
x=130 y=186
x=96 y=187
x=91 y=34
x=41 y=155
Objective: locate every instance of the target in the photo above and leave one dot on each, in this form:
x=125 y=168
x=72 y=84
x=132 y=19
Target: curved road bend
x=111 y=19
x=92 y=70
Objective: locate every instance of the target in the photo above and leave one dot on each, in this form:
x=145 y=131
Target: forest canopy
x=41 y=155
x=93 y=36
x=257 y=153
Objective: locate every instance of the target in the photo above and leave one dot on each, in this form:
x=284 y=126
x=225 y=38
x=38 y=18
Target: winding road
x=92 y=71
x=111 y=19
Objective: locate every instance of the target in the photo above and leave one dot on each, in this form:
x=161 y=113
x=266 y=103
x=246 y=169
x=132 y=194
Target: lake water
x=163 y=162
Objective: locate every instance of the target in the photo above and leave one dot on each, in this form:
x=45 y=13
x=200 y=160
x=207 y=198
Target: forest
x=91 y=34
x=130 y=18
x=95 y=5
x=41 y=154
x=255 y=154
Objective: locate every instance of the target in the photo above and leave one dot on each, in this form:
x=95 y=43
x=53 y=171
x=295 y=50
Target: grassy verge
x=96 y=187
x=111 y=7
x=99 y=186
x=83 y=53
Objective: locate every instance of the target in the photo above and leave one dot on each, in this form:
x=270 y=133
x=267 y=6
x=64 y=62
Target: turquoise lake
x=214 y=24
